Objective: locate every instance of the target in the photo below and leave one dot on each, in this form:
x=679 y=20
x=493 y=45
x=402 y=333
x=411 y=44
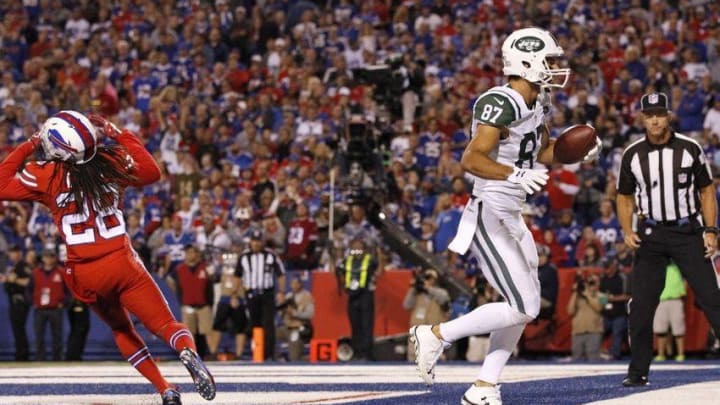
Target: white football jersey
x=502 y=106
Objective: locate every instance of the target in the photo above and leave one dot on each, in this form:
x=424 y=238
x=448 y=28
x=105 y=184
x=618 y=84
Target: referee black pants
x=261 y=306
x=361 y=311
x=660 y=244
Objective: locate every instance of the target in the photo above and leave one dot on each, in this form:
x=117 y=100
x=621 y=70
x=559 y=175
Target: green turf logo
x=529 y=44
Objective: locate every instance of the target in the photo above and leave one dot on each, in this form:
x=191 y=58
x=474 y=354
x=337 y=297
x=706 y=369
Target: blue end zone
x=562 y=391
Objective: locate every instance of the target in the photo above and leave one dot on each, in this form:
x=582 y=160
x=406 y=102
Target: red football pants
x=116 y=283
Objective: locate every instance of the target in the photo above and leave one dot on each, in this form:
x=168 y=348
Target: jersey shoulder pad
x=36 y=175
x=496 y=109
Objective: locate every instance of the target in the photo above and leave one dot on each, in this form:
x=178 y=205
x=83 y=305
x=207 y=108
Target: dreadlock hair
x=100 y=179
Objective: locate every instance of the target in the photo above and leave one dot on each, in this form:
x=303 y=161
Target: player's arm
x=494 y=113
x=22 y=186
x=547 y=147
x=476 y=159
x=143 y=165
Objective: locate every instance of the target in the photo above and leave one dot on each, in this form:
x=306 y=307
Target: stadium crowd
x=246 y=104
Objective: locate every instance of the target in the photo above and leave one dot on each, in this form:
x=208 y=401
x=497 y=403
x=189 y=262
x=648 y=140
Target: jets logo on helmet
x=69 y=136
x=535 y=55
x=529 y=44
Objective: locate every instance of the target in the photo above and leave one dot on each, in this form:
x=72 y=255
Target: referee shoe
x=635 y=381
x=204 y=381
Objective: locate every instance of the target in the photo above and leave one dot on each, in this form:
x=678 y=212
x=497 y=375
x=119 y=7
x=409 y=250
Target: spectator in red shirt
x=301 y=240
x=459 y=195
x=48 y=292
x=561 y=188
x=194 y=286
x=588 y=239
x=558 y=255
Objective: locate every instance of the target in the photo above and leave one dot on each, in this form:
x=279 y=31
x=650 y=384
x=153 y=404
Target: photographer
x=427 y=302
x=585 y=307
x=297 y=311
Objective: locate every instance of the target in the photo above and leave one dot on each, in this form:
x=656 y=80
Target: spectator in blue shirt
x=607 y=228
x=690 y=110
x=447 y=222
x=143 y=87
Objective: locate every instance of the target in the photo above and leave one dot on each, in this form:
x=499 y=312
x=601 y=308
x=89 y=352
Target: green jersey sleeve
x=495 y=109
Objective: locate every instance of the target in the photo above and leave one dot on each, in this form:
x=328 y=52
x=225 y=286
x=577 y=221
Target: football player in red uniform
x=82 y=185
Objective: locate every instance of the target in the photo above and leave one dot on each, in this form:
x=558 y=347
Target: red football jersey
x=300 y=233
x=92 y=233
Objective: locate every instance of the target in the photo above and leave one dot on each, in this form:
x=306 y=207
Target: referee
x=665 y=179
x=260 y=271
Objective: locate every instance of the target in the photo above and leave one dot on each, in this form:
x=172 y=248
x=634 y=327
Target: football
x=574 y=143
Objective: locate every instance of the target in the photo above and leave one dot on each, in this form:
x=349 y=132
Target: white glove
x=531 y=180
x=594 y=152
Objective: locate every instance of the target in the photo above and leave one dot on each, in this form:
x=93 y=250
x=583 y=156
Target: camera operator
x=297 y=311
x=412 y=73
x=585 y=307
x=427 y=302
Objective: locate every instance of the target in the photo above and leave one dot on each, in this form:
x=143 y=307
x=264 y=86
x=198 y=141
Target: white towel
x=466 y=230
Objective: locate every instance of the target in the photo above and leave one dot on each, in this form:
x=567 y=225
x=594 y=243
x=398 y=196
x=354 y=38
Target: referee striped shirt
x=665 y=179
x=258 y=270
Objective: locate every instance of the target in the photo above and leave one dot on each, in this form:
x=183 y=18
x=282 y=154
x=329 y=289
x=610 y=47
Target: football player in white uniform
x=510 y=143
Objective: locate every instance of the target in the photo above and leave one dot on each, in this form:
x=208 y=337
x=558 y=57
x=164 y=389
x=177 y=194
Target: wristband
x=712 y=229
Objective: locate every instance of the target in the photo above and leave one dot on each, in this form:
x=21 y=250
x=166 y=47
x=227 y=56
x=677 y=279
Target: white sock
x=483 y=319
x=502 y=344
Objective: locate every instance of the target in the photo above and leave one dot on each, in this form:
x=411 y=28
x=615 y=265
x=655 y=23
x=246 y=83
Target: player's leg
x=139 y=289
x=516 y=278
x=129 y=343
x=512 y=273
x=509 y=262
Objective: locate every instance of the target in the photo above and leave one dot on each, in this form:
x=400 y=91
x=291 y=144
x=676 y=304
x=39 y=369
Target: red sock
x=134 y=350
x=177 y=336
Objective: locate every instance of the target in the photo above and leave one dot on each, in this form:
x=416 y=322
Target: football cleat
x=204 y=381
x=171 y=397
x=482 y=396
x=428 y=349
